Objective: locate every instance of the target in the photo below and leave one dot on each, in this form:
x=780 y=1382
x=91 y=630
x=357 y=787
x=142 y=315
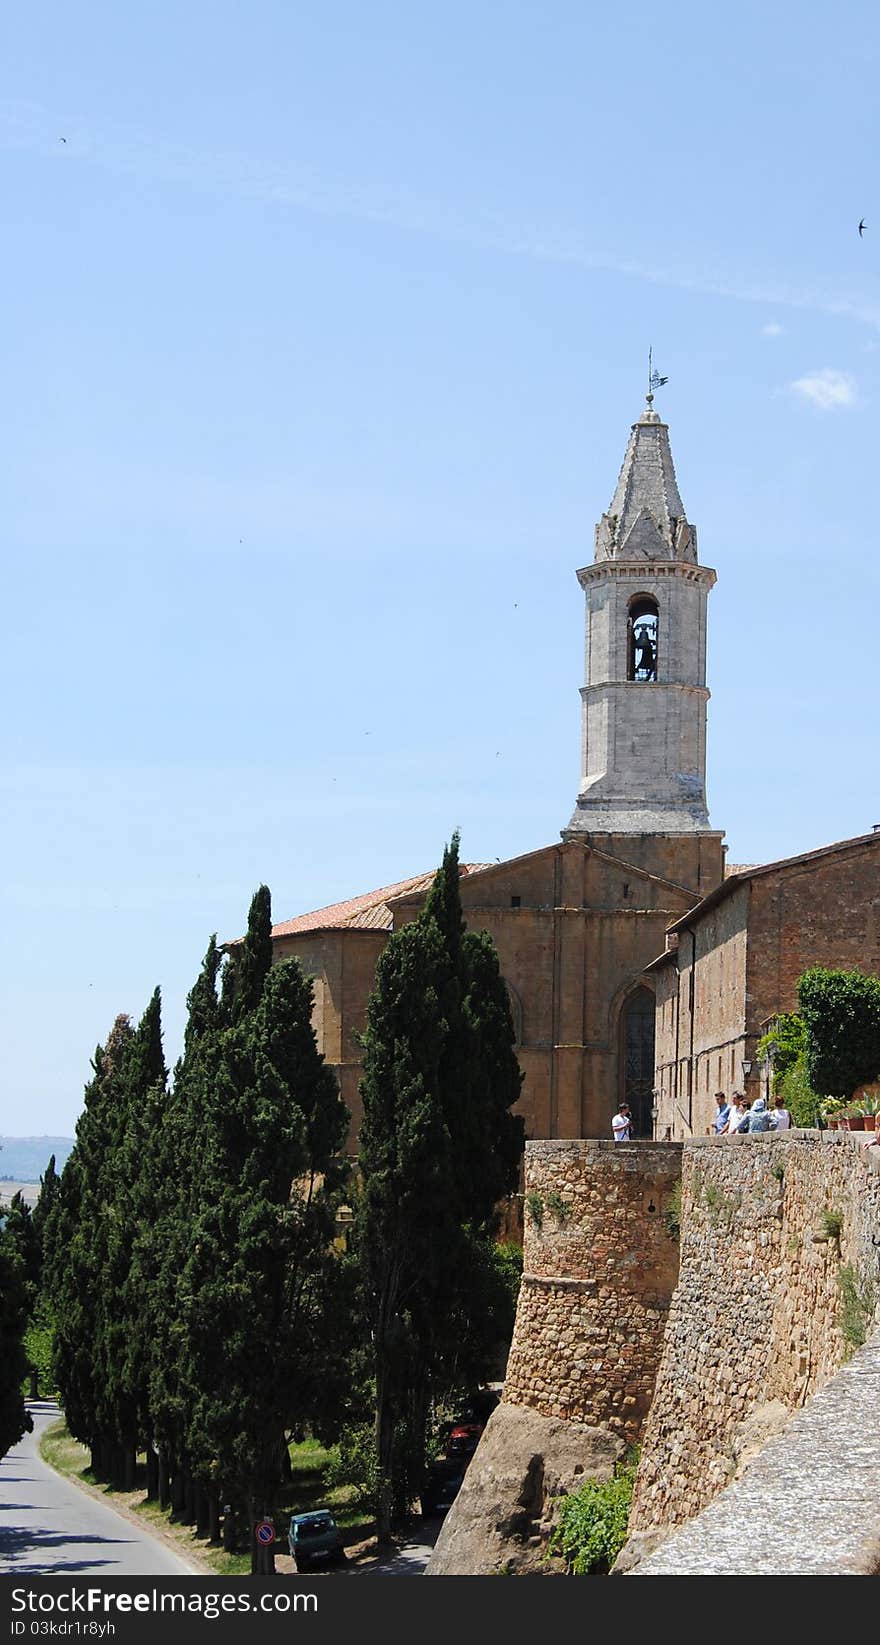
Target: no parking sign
x=264 y=1531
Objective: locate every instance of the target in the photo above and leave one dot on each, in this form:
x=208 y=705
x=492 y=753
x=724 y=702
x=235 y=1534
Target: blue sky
x=324 y=330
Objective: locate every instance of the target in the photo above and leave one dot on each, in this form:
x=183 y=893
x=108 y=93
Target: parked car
x=462 y=1436
x=442 y=1485
x=314 y=1538
x=463 y=1439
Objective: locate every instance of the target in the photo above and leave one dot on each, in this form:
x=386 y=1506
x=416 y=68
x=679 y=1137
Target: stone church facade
x=577 y=922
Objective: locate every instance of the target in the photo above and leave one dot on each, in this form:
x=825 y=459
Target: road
x=49 y=1527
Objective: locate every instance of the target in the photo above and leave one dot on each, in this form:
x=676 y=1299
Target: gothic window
x=637 y=1059
x=642 y=638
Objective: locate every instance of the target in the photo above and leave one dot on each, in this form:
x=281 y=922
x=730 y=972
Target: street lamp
x=746 y=1068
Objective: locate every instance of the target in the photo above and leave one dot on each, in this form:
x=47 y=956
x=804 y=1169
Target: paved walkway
x=808 y=1505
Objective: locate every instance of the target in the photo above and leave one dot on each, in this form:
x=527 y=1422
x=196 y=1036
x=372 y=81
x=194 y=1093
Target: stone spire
x=646 y=520
x=643 y=742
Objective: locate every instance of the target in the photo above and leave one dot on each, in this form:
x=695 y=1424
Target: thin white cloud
x=827 y=390
x=126 y=151
x=773 y=329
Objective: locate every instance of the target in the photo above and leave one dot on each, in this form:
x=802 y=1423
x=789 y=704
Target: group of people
x=739 y=1115
x=731 y=1116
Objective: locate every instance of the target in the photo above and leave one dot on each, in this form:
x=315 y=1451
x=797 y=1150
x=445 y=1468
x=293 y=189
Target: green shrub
x=841 y=1014
x=535 y=1208
x=352 y=1463
x=560 y=1207
x=802 y=1102
x=856 y=1309
x=672 y=1212
x=785 y=1043
x=593 y=1522
x=832 y=1224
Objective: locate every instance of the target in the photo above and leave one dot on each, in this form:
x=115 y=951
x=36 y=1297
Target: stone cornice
x=645 y=571
x=645 y=685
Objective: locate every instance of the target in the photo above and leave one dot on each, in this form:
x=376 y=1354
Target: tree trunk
x=213 y=1517
x=163 y=1487
x=189 y=1499
x=129 y=1466
x=384 y=1431
x=262 y=1557
x=178 y=1492
x=230 y=1541
x=152 y=1473
x=201 y=1509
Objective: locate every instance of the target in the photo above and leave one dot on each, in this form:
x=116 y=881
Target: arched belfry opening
x=636 y=1059
x=643 y=635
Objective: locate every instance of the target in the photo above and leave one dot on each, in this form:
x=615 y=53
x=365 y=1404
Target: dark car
x=442 y=1485
x=314 y=1538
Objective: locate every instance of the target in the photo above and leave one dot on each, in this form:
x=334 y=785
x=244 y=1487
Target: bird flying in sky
x=862 y=226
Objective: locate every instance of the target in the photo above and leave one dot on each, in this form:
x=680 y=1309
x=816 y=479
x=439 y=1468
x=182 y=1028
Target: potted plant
x=830 y=1109
x=863 y=1111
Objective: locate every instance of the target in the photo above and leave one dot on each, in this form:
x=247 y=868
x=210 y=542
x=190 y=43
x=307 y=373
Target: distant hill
x=24 y=1159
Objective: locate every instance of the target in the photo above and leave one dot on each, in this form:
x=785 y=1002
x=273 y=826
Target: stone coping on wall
x=809 y=1504
x=825 y=1139
x=582 y=1146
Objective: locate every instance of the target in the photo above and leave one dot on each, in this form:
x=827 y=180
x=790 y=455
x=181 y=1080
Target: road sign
x=264 y=1531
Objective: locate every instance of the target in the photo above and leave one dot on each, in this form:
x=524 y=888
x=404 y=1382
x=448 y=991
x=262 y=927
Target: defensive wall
x=600 y=1265
x=702 y=1351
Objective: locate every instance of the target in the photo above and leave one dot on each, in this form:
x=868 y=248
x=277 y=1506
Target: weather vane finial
x=654 y=378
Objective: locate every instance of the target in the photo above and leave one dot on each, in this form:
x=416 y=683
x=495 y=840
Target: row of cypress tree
x=189 y=1257
x=202 y=1310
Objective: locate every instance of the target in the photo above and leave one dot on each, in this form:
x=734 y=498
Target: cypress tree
x=166 y=1244
x=250 y=964
x=272 y=1127
x=132 y=1187
x=50 y=1188
x=439 y=1147
x=77 y=1236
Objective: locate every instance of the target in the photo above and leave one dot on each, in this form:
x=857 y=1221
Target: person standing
x=722 y=1115
x=739 y=1114
x=621 y=1124
x=780 y=1118
x=759 y=1119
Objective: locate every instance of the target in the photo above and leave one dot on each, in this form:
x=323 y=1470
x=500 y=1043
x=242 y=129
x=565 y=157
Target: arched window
x=636 y=1060
x=642 y=637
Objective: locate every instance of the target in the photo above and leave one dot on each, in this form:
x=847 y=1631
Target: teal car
x=314 y=1538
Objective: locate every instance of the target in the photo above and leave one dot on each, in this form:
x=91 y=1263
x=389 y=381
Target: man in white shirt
x=621 y=1124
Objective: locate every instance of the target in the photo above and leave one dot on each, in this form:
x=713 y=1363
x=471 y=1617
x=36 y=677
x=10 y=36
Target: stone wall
x=600 y=1268
x=768 y=1307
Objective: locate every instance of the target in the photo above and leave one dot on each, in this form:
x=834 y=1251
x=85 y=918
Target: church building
x=577 y=922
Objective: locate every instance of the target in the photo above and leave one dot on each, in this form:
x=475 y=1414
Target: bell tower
x=643 y=743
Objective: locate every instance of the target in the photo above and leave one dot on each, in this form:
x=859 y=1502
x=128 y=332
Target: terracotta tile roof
x=370 y=910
